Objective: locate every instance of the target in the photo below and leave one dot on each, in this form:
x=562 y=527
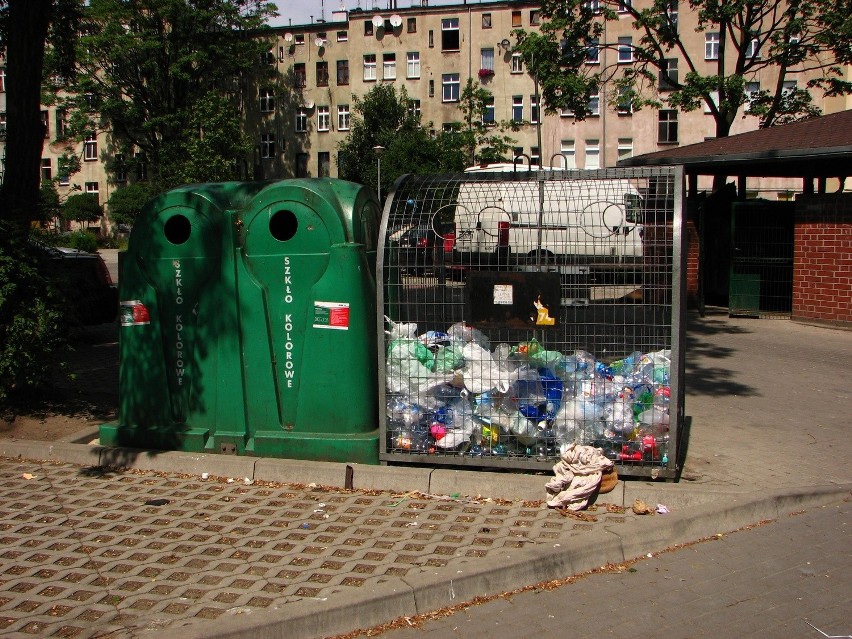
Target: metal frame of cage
x=524 y=311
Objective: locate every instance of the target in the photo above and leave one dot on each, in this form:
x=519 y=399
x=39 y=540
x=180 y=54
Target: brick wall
x=822 y=261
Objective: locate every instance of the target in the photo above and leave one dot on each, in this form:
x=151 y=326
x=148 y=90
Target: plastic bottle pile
x=451 y=393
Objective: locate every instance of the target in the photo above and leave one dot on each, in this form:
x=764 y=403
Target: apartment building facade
x=431 y=52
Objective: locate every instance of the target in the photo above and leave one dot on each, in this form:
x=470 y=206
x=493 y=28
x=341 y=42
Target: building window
x=625 y=50
x=667 y=133
x=535 y=17
x=486 y=59
x=566 y=113
x=431 y=39
x=624 y=106
x=516 y=19
x=412 y=69
x=593 y=154
x=120 y=168
x=668 y=75
x=753 y=49
x=517 y=152
x=535 y=156
x=788 y=87
x=299 y=39
x=90 y=147
x=342 y=72
x=322 y=74
x=46 y=170
x=267 y=101
x=752 y=91
x=93 y=189
x=267 y=146
x=569 y=159
x=323 y=118
x=300 y=75
x=61 y=118
x=141 y=167
x=518 y=108
x=414 y=108
x=517 y=63
x=714 y=100
x=450 y=87
x=301 y=120
x=411 y=25
x=368 y=27
x=343 y=117
x=2 y=79
x=594 y=103
x=64 y=180
x=593 y=52
x=593 y=5
x=488 y=115
x=625 y=148
x=624 y=5
x=342 y=36
x=450 y=34
x=45 y=123
x=486 y=20
x=388 y=66
x=324 y=164
x=534 y=109
x=672 y=12
x=431 y=88
x=711 y=45
x=369 y=67
x=302 y=165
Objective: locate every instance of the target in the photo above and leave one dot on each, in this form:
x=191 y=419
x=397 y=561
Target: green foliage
x=483 y=142
x=49 y=204
x=383 y=117
x=126 y=202
x=31 y=326
x=82 y=207
x=83 y=241
x=165 y=78
x=792 y=38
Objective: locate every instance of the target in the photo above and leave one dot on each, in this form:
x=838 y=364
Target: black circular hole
x=283 y=225
x=178 y=229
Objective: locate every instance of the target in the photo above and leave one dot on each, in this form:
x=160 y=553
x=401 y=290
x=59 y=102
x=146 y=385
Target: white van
x=560 y=220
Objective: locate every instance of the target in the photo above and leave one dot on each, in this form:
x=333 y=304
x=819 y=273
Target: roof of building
x=819 y=147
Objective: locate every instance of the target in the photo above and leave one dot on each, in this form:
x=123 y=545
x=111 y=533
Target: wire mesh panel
x=524 y=312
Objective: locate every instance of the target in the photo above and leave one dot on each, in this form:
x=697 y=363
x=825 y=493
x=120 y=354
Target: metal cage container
x=526 y=311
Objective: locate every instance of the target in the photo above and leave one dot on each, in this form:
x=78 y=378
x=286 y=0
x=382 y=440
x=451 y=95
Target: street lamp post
x=378 y=150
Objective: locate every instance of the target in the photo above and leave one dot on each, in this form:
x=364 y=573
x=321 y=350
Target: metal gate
x=524 y=312
x=761 y=281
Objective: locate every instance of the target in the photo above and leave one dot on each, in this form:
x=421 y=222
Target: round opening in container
x=283 y=225
x=178 y=229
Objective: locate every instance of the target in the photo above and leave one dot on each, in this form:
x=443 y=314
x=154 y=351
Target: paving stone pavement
x=92 y=551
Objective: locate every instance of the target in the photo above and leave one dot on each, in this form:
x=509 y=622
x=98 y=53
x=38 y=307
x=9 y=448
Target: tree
x=49 y=204
x=82 y=207
x=383 y=117
x=806 y=38
x=484 y=140
x=164 y=78
x=127 y=202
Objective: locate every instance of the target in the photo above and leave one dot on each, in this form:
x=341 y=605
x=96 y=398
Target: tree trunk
x=19 y=195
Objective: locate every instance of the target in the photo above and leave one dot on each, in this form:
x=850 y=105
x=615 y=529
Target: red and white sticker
x=334 y=315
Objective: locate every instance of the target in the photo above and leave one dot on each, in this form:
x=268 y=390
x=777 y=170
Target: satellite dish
x=288 y=37
x=319 y=42
x=396 y=20
x=378 y=21
x=309 y=104
x=504 y=43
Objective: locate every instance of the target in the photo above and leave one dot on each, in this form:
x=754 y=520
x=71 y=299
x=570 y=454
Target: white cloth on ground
x=578 y=475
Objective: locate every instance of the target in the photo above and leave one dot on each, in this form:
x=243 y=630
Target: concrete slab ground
x=276 y=548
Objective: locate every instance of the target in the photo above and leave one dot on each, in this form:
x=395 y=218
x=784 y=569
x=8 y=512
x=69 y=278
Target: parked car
x=83 y=280
x=417 y=246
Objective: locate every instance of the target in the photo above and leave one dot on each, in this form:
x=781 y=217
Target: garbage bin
x=247 y=322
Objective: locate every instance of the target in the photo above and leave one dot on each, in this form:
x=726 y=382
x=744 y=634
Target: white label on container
x=503 y=294
x=334 y=315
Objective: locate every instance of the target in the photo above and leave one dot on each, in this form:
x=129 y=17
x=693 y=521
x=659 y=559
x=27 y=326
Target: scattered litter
x=28 y=476
x=205 y=476
x=312 y=485
x=156 y=502
x=663 y=510
x=230 y=480
x=247 y=481
x=641 y=508
x=306 y=526
x=828 y=635
x=411 y=524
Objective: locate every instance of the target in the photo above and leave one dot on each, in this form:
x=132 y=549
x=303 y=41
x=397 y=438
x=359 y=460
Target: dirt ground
x=83 y=394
